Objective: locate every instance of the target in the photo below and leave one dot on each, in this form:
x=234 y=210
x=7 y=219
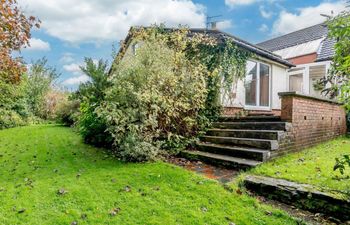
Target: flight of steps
x=240 y=142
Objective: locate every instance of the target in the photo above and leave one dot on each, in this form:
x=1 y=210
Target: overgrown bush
x=13 y=108
x=155 y=98
x=10 y=118
x=67 y=111
x=93 y=128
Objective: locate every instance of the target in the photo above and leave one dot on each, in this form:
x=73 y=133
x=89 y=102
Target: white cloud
x=96 y=21
x=264 y=13
x=305 y=17
x=225 y=24
x=38 y=45
x=76 y=80
x=233 y=3
x=67 y=58
x=263 y=28
x=73 y=68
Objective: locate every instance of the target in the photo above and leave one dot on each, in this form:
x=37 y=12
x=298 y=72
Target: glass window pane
x=250 y=83
x=264 y=96
x=296 y=82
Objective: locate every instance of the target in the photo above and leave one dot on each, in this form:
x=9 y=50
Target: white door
x=257 y=86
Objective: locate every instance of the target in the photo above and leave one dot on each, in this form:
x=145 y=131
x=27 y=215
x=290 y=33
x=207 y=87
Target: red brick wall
x=303 y=59
x=311 y=121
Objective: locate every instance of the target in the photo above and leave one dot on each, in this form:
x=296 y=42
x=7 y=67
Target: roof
x=325 y=50
x=239 y=42
x=297 y=37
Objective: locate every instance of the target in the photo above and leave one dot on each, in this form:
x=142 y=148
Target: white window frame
x=257 y=106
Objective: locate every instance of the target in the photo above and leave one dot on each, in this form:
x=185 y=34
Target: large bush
x=67 y=111
x=13 y=108
x=155 y=98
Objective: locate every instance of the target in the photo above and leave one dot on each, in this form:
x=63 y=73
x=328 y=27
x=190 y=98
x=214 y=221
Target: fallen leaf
x=62 y=191
x=114 y=211
x=21 y=210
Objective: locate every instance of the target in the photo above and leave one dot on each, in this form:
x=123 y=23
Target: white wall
x=279 y=84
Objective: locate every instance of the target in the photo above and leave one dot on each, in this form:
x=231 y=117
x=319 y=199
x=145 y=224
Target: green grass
x=312 y=166
x=37 y=161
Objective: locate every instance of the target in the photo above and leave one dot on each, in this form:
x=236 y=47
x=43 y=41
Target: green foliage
x=92 y=127
x=341 y=163
x=169 y=91
x=39 y=82
x=156 y=96
x=91 y=94
x=337 y=81
x=13 y=108
x=67 y=111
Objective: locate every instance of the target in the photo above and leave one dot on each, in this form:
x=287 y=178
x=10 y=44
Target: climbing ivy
x=223 y=60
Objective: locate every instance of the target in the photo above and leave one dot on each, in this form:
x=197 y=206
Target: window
x=134 y=48
x=257 y=84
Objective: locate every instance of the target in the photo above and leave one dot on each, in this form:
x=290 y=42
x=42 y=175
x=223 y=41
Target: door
x=257 y=85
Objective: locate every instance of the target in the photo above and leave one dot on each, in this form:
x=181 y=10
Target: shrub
x=133 y=149
x=154 y=100
x=9 y=118
x=67 y=111
x=93 y=128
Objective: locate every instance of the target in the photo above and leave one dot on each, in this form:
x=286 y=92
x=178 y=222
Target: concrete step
x=222 y=160
x=235 y=151
x=254 y=118
x=260 y=113
x=256 y=134
x=247 y=142
x=251 y=125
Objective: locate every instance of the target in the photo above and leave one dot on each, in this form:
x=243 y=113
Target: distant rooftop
x=316 y=32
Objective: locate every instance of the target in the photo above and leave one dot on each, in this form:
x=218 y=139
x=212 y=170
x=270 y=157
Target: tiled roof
x=326 y=51
x=319 y=31
x=297 y=37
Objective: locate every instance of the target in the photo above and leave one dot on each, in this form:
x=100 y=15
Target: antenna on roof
x=210 y=23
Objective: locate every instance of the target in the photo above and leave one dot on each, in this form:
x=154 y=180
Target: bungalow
x=284 y=114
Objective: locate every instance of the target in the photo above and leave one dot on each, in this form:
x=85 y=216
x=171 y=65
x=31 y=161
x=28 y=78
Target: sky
x=74 y=29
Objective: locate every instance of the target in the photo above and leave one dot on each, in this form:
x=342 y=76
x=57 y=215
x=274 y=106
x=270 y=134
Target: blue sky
x=74 y=29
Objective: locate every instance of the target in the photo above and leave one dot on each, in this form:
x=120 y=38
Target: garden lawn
x=312 y=166
x=38 y=161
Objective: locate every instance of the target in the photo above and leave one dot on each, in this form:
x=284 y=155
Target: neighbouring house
x=284 y=112
x=311 y=50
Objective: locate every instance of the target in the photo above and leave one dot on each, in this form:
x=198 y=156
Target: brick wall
x=310 y=120
x=310 y=58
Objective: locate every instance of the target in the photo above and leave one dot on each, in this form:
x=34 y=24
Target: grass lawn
x=312 y=166
x=38 y=161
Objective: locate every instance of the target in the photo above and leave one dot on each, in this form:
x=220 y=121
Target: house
x=282 y=115
x=266 y=76
x=311 y=50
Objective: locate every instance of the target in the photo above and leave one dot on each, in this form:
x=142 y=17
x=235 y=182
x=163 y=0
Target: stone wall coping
x=300 y=95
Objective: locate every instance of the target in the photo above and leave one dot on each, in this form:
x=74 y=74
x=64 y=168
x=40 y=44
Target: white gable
x=300 y=50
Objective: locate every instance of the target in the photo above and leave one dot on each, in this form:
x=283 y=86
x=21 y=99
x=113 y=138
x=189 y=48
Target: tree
x=91 y=94
x=40 y=82
x=15 y=30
